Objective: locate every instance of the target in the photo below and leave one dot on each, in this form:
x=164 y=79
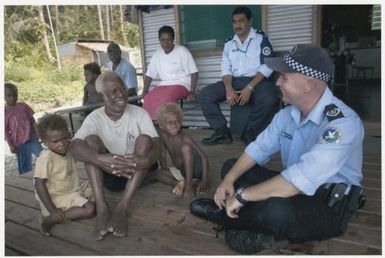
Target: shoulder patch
x=266 y=51
x=332 y=112
x=330 y=135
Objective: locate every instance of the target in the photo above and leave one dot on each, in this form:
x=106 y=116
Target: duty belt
x=354 y=196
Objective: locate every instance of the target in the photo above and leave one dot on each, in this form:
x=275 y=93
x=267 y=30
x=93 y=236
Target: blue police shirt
x=314 y=151
x=126 y=71
x=246 y=59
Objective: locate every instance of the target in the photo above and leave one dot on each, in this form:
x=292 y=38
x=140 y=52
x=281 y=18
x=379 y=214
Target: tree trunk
x=57 y=23
x=100 y=22
x=108 y=23
x=54 y=39
x=122 y=25
x=45 y=36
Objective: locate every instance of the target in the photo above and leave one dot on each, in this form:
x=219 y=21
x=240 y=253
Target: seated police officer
x=320 y=140
x=243 y=81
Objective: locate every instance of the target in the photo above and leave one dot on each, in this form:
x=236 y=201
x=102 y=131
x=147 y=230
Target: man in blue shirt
x=320 y=140
x=243 y=81
x=122 y=67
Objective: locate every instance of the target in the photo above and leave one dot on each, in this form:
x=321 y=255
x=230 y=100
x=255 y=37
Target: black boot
x=222 y=135
x=207 y=209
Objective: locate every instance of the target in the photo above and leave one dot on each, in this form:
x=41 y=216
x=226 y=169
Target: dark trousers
x=263 y=100
x=299 y=218
x=117 y=184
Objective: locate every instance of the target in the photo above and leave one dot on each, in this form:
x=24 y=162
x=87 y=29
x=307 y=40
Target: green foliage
x=26 y=64
x=47 y=95
x=45 y=87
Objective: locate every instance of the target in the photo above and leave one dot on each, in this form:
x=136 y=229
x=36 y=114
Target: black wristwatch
x=238 y=195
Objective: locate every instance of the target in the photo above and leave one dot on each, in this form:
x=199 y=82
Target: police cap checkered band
x=305 y=69
x=307 y=59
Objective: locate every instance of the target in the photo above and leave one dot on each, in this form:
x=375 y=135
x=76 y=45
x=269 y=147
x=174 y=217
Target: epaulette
x=332 y=112
x=260 y=32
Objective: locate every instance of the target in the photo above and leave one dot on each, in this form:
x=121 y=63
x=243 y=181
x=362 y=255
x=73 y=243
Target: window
x=206 y=27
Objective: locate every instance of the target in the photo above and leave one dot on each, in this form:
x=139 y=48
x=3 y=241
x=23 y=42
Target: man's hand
x=107 y=162
x=224 y=191
x=231 y=96
x=244 y=96
x=233 y=207
x=129 y=164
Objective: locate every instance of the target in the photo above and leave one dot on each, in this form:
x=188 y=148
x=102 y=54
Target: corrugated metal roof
x=101 y=47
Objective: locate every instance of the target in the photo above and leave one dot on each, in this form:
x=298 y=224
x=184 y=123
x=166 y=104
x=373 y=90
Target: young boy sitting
x=186 y=155
x=56 y=177
x=91 y=73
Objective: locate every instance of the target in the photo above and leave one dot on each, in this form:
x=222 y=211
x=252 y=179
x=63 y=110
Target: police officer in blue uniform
x=320 y=140
x=243 y=81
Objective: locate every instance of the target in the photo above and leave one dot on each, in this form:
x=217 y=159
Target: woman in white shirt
x=175 y=67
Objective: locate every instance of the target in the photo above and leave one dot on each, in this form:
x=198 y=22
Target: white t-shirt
x=174 y=68
x=118 y=136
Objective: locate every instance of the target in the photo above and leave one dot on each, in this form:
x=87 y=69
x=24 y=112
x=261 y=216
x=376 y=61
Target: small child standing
x=19 y=129
x=56 y=177
x=91 y=73
x=185 y=153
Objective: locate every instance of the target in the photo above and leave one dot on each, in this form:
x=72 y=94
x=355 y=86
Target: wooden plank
x=29 y=241
x=11 y=252
x=75 y=232
x=370 y=183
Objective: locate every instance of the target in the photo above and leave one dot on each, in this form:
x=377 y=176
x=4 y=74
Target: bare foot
x=118 y=223
x=102 y=218
x=178 y=188
x=46 y=223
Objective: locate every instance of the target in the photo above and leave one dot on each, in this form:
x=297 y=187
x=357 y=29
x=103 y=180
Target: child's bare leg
x=95 y=175
x=85 y=212
x=74 y=213
x=118 y=222
x=165 y=178
x=188 y=163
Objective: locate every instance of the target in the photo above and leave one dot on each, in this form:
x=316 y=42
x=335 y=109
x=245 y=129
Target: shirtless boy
x=186 y=155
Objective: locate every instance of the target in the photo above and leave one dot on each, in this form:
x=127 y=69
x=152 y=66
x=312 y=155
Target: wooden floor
x=160 y=224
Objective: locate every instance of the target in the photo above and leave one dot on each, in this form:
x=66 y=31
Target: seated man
x=122 y=67
x=243 y=81
x=320 y=141
x=119 y=147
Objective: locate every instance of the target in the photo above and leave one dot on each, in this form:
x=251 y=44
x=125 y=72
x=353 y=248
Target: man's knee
x=276 y=213
x=227 y=166
x=143 y=144
x=207 y=94
x=144 y=139
x=95 y=142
